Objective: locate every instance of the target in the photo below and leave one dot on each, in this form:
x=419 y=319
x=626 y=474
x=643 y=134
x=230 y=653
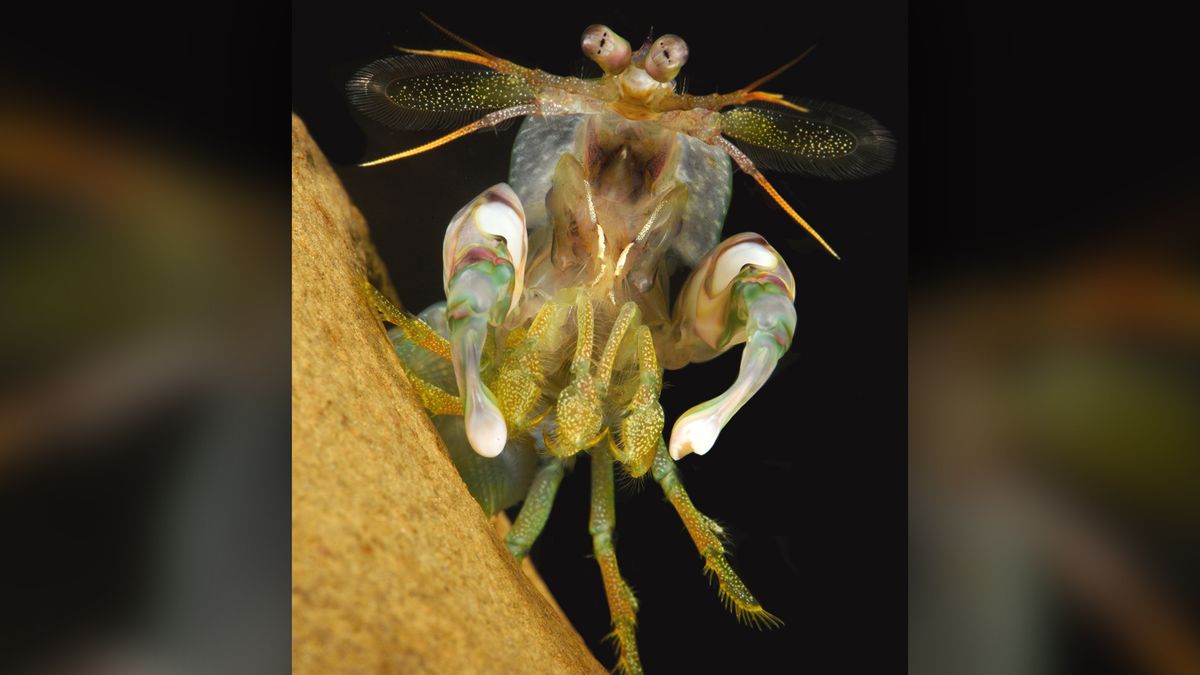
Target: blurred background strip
x=1054 y=345
x=144 y=454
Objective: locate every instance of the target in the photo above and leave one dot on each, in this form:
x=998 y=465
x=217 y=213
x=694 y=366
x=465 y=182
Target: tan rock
x=395 y=568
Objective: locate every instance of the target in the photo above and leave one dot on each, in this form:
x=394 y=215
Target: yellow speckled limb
x=625 y=318
x=414 y=329
x=642 y=424
x=579 y=412
x=435 y=399
x=518 y=382
x=707 y=536
x=622 y=606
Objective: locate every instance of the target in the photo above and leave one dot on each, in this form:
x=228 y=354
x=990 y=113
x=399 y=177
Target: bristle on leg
x=622 y=605
x=709 y=539
x=735 y=596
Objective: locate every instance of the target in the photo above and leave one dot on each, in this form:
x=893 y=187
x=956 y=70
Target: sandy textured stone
x=394 y=567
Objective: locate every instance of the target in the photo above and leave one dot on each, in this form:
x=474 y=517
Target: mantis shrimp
x=557 y=324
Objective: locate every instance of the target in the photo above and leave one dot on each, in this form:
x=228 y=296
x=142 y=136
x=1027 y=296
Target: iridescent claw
x=741 y=292
x=483 y=267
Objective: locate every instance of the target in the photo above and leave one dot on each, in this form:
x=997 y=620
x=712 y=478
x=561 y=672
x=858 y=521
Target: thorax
x=613 y=205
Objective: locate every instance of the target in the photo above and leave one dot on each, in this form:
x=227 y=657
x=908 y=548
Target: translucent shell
x=704 y=169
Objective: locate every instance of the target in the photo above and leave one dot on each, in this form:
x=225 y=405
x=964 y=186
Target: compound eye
x=609 y=50
x=667 y=55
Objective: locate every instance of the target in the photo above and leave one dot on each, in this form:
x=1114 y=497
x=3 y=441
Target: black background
x=799 y=477
x=1036 y=125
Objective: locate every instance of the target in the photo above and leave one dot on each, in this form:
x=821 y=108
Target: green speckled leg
x=707 y=535
x=622 y=606
x=536 y=509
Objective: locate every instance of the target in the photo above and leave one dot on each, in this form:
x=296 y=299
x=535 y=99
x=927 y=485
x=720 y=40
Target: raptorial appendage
x=484 y=267
x=741 y=292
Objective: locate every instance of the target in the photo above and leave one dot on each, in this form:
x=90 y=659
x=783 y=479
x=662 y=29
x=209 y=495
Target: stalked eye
x=667 y=55
x=609 y=50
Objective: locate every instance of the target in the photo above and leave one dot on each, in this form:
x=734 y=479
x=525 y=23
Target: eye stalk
x=609 y=50
x=667 y=55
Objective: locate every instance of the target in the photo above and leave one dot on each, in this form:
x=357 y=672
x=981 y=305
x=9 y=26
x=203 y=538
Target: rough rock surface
x=394 y=567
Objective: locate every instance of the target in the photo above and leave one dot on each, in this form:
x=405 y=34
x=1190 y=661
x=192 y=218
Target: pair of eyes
x=663 y=58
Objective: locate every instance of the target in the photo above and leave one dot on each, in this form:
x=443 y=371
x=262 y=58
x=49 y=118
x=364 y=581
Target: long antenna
x=777 y=72
x=745 y=164
x=489 y=120
x=460 y=40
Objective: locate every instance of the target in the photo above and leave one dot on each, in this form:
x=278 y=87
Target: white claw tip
x=486 y=430
x=694 y=433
